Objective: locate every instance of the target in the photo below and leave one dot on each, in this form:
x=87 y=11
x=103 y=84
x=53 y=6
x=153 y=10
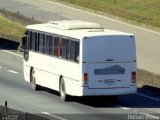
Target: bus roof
x=75 y=29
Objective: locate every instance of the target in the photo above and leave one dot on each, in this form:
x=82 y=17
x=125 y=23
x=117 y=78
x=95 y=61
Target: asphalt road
x=20 y=96
x=147 y=41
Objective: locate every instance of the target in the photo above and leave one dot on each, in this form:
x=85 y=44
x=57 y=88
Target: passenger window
x=33 y=41
x=51 y=45
x=77 y=52
x=25 y=40
x=64 y=48
x=41 y=43
x=59 y=47
x=37 y=41
x=68 y=49
x=47 y=41
x=73 y=52
x=56 y=46
x=30 y=38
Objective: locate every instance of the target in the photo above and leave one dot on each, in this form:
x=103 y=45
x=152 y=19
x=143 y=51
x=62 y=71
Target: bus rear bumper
x=108 y=91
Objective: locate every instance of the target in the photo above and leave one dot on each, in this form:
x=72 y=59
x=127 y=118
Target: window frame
x=57 y=42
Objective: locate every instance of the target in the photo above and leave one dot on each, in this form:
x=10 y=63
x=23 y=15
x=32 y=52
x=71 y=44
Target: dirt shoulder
x=13 y=25
x=144 y=13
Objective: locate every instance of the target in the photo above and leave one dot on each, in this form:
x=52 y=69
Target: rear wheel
x=62 y=90
x=33 y=80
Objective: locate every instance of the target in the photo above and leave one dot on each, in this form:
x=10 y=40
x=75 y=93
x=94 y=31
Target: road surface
x=147 y=41
x=20 y=96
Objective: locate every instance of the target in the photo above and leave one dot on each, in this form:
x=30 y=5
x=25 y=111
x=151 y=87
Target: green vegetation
x=12 y=25
x=10 y=29
x=142 y=11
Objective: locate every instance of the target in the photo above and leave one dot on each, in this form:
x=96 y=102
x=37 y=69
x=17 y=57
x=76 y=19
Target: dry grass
x=148 y=78
x=13 y=25
x=142 y=11
x=10 y=29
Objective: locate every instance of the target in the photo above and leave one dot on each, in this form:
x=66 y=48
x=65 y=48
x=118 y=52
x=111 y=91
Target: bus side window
x=64 y=48
x=30 y=39
x=25 y=40
x=37 y=41
x=73 y=50
x=33 y=41
x=77 y=52
x=41 y=43
x=51 y=45
x=68 y=49
x=46 y=48
x=56 y=39
x=59 y=47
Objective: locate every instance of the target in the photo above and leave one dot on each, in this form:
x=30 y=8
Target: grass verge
x=146 y=78
x=12 y=25
x=145 y=12
x=11 y=30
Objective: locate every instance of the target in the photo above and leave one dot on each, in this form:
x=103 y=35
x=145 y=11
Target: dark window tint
x=37 y=41
x=41 y=43
x=25 y=41
x=73 y=50
x=51 y=45
x=59 y=47
x=56 y=42
x=68 y=49
x=64 y=47
x=33 y=40
x=46 y=44
x=30 y=38
x=77 y=52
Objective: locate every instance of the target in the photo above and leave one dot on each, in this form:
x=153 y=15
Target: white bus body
x=103 y=63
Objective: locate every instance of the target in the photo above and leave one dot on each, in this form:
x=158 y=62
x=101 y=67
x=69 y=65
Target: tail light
x=85 y=78
x=134 y=76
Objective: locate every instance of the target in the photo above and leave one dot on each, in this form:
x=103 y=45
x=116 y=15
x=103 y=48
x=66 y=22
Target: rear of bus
x=109 y=65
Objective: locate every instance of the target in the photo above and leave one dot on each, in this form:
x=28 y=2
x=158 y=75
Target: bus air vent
x=73 y=25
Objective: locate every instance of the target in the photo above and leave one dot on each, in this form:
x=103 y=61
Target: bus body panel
x=109 y=92
x=109 y=63
x=49 y=70
x=108 y=75
x=109 y=48
x=108 y=58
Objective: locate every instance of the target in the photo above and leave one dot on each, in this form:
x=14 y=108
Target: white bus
x=79 y=58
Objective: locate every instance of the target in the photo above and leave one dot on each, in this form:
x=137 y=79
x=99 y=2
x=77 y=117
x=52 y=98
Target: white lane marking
x=102 y=17
x=12 y=53
x=55 y=116
x=148 y=97
x=125 y=108
x=1 y=67
x=12 y=71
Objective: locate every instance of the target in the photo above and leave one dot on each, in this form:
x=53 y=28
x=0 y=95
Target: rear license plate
x=109 y=82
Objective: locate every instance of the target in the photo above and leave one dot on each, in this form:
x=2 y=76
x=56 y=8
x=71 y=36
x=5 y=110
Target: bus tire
x=33 y=80
x=62 y=90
